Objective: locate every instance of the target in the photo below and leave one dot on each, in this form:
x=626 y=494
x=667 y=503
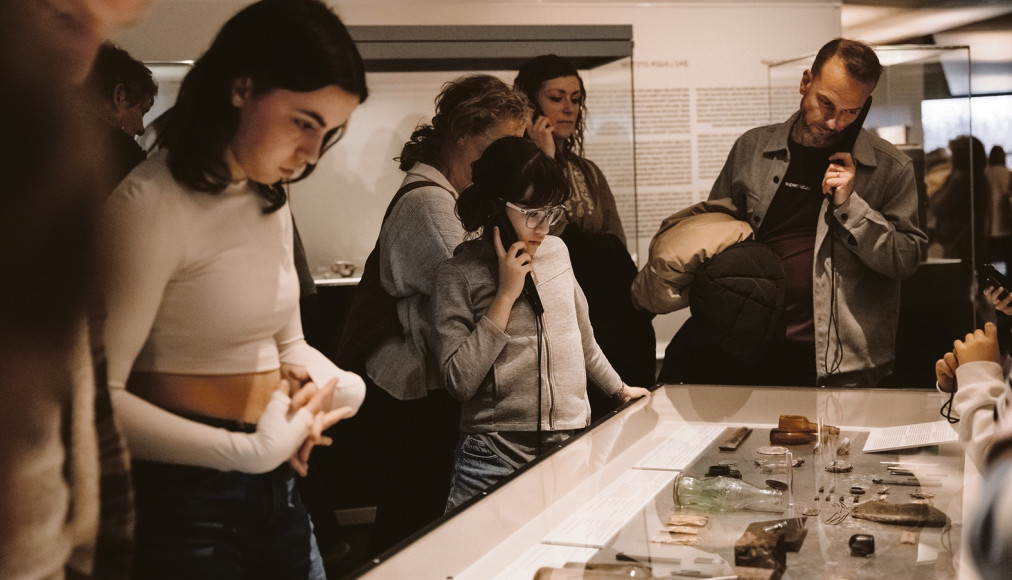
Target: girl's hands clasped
x=307 y=395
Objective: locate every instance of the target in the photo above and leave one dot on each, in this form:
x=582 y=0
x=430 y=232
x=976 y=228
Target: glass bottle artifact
x=725 y=494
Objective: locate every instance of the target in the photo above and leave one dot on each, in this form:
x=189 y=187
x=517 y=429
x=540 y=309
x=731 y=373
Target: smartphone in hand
x=989 y=277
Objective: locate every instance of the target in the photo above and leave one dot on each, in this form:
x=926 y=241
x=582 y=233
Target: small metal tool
x=735 y=439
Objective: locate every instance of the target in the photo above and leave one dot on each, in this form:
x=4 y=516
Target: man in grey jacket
x=841 y=214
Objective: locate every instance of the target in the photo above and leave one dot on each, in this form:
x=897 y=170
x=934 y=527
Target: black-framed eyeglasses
x=538 y=216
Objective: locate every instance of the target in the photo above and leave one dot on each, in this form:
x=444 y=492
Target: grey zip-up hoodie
x=493 y=371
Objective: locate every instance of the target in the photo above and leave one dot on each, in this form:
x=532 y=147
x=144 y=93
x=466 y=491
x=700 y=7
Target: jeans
x=475 y=469
x=194 y=522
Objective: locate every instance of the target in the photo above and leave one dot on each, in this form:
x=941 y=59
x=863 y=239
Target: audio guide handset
x=849 y=136
x=831 y=361
x=508 y=236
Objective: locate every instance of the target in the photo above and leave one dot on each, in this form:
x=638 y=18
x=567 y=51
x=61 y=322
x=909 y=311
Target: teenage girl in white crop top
x=211 y=378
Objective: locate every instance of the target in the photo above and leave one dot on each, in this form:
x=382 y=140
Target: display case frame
x=487 y=47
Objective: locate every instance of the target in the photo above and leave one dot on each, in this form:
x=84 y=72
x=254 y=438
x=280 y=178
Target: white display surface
x=535 y=519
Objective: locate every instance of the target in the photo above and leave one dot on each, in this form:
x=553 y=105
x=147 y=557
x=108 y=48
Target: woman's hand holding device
x=539 y=130
x=996 y=288
x=514 y=265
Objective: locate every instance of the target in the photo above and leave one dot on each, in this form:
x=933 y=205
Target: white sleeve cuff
x=350 y=389
x=154 y=434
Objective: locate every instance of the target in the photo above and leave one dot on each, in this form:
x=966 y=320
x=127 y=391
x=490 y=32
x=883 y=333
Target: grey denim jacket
x=863 y=248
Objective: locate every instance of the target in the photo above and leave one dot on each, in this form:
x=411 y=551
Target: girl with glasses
x=520 y=372
x=591 y=228
x=216 y=389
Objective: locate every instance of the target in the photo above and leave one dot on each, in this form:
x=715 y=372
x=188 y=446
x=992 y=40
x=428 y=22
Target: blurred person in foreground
x=973 y=375
x=991 y=528
x=54 y=183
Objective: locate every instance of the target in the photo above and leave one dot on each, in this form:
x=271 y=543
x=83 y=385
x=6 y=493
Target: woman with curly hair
x=407 y=400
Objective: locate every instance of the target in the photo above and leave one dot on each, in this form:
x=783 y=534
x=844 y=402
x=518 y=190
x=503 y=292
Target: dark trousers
x=416 y=439
x=692 y=358
x=194 y=522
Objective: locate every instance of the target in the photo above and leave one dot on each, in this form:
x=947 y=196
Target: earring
x=236 y=100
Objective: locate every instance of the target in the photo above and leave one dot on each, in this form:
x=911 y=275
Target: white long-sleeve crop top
x=204 y=284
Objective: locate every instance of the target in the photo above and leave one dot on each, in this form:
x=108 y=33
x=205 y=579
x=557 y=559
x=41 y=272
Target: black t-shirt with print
x=789 y=229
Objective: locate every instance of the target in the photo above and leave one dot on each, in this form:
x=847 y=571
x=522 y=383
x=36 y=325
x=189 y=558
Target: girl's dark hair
x=533 y=73
x=465 y=106
x=296 y=45
x=511 y=169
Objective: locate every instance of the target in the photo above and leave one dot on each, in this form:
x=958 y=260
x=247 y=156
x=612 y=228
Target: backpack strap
x=409 y=187
x=372 y=315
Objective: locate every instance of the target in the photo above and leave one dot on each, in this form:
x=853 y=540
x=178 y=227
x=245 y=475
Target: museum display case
x=605 y=501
